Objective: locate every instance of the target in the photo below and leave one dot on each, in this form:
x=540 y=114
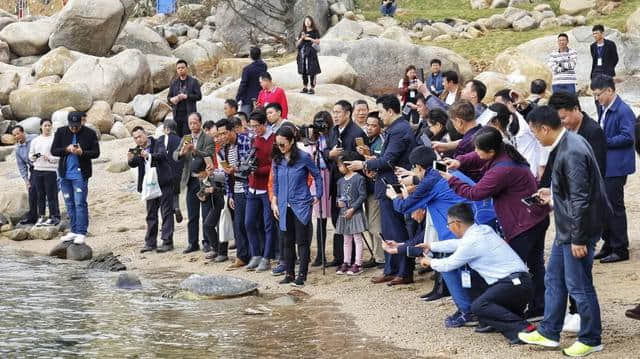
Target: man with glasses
x=618 y=122
x=75 y=145
x=604 y=54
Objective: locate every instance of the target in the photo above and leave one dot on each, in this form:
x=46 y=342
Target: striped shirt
x=563 y=67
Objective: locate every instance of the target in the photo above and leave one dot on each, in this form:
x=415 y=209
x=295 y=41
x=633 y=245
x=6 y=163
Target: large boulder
x=138 y=36
x=191 y=14
x=28 y=38
x=159 y=110
x=42 y=100
x=31 y=125
x=346 y=30
x=114 y=79
x=369 y=57
x=5 y=52
x=44 y=233
x=574 y=7
x=60 y=250
x=8 y=83
x=132 y=122
x=202 y=56
x=370 y=28
x=335 y=70
x=14 y=205
x=520 y=68
x=56 y=62
x=524 y=24
x=633 y=23
x=79 y=252
x=236 y=33
x=396 y=33
x=495 y=82
x=100 y=116
x=107 y=262
x=142 y=105
x=118 y=130
x=23 y=72
x=90 y=26
x=4 y=21
x=218 y=286
x=163 y=70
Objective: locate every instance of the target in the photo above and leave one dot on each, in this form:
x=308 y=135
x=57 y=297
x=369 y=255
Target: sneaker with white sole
x=68 y=237
x=571 y=323
x=79 y=239
x=578 y=350
x=41 y=221
x=536 y=338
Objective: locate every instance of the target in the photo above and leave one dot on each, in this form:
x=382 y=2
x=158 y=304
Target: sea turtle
x=214 y=287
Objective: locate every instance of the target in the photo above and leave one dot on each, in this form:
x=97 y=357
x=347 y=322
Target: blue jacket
x=436 y=82
x=291 y=189
x=619 y=125
x=398 y=144
x=249 y=83
x=433 y=193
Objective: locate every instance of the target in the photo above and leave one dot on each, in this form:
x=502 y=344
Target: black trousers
x=615 y=232
x=211 y=222
x=502 y=304
x=165 y=204
x=193 y=209
x=182 y=124
x=176 y=193
x=530 y=248
x=299 y=234
x=46 y=187
x=32 y=215
x=309 y=78
x=321 y=237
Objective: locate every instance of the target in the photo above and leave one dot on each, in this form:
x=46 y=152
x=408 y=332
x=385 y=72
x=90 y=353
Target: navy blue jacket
x=609 y=59
x=249 y=82
x=399 y=141
x=172 y=146
x=345 y=140
x=159 y=160
x=619 y=130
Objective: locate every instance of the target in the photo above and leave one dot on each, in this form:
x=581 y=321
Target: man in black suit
x=250 y=82
x=184 y=92
x=604 y=54
x=149 y=149
x=171 y=142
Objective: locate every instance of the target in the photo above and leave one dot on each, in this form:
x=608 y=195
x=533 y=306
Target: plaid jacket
x=243 y=142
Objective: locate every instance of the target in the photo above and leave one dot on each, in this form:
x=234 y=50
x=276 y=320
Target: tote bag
x=225 y=226
x=150 y=186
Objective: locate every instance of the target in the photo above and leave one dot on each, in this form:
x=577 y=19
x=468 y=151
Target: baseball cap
x=75 y=118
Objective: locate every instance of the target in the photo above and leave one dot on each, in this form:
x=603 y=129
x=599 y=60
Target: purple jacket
x=507 y=183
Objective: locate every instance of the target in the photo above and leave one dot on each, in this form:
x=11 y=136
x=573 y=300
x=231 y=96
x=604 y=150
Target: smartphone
x=188 y=139
x=396 y=186
x=406 y=110
x=359 y=141
x=421 y=74
x=530 y=201
x=440 y=166
x=224 y=164
x=76 y=145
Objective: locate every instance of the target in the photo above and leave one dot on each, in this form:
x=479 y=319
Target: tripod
x=320 y=224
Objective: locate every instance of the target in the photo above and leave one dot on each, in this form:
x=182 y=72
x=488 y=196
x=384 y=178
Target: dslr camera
x=248 y=166
x=136 y=151
x=310 y=132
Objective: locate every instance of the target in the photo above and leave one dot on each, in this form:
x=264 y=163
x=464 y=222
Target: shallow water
x=52 y=309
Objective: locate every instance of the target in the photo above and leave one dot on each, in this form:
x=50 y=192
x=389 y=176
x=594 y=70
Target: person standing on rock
x=171 y=143
x=250 y=81
x=604 y=54
x=388 y=8
x=45 y=179
x=148 y=149
x=308 y=65
x=184 y=92
x=272 y=94
x=76 y=145
x=25 y=168
x=562 y=63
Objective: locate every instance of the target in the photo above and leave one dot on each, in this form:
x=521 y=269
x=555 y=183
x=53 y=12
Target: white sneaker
x=571 y=323
x=79 y=239
x=68 y=237
x=41 y=221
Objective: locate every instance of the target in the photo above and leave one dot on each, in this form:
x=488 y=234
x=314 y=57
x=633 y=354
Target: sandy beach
x=393 y=314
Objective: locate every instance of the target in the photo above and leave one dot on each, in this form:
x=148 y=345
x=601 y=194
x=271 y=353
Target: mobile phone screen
x=530 y=201
x=421 y=74
x=359 y=141
x=440 y=166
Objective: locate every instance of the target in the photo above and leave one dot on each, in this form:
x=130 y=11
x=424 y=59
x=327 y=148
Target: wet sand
x=394 y=315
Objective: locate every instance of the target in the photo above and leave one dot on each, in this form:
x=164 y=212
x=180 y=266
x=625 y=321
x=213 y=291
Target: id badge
x=516 y=281
x=599 y=61
x=466 y=278
x=412 y=94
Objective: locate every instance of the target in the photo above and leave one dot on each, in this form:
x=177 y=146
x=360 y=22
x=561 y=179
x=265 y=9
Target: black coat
x=345 y=140
x=306 y=51
x=88 y=142
x=193 y=94
x=174 y=143
x=609 y=59
x=159 y=160
x=579 y=196
x=250 y=83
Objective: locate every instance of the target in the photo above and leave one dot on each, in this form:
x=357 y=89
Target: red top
x=276 y=95
x=260 y=177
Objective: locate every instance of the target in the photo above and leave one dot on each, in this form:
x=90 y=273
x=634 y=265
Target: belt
x=518 y=275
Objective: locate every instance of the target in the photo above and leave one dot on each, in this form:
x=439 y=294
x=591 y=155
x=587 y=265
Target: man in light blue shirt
x=501 y=306
x=25 y=167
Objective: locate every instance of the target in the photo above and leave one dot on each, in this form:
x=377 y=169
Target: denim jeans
x=75 y=199
x=388 y=10
x=564 y=88
x=258 y=205
x=567 y=275
x=460 y=296
x=239 y=230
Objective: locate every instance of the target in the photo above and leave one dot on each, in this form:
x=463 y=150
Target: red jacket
x=276 y=95
x=260 y=178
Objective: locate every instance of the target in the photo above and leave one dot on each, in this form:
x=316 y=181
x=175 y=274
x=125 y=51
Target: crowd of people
x=431 y=174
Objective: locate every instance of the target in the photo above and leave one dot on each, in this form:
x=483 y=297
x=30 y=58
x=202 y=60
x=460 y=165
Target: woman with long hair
x=292 y=202
x=408 y=93
x=308 y=46
x=506 y=179
x=501 y=118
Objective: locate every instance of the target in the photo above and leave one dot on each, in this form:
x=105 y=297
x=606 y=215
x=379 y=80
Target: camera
x=248 y=166
x=309 y=132
x=217 y=179
x=37 y=155
x=136 y=151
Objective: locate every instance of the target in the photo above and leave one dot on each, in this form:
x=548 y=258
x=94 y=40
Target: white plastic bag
x=150 y=186
x=225 y=226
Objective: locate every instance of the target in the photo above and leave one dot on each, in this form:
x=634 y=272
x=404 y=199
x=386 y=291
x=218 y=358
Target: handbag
x=150 y=186
x=225 y=226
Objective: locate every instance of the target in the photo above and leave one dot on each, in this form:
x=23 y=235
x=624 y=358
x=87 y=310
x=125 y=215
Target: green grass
x=483 y=50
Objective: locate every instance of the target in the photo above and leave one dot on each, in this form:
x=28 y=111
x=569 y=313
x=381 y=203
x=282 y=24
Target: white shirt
x=451 y=98
x=483 y=250
x=42 y=146
x=528 y=146
x=604 y=113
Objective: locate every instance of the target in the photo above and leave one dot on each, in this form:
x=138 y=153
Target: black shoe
x=334 y=263
x=299 y=282
x=232 y=246
x=178 y=214
x=380 y=265
x=317 y=262
x=206 y=248
x=287 y=280
x=614 y=257
x=423 y=271
x=516 y=341
x=165 y=248
x=439 y=290
x=26 y=222
x=369 y=264
x=312 y=91
x=601 y=254
x=481 y=328
x=190 y=249
x=304 y=90
x=146 y=249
